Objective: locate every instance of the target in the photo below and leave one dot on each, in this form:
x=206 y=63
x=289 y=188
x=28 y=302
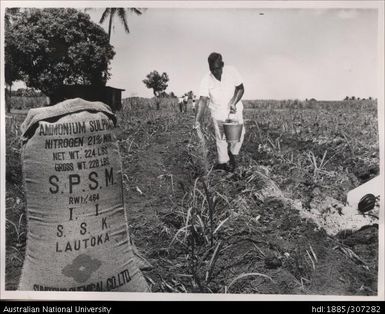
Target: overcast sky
x=280 y=53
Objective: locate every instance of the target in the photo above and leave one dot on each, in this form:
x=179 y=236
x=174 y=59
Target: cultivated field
x=242 y=232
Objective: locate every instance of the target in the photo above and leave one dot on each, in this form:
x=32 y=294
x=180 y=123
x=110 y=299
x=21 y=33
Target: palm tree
x=122 y=13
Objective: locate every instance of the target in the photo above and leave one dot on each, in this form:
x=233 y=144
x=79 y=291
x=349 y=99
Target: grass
x=227 y=289
x=18 y=229
x=24 y=103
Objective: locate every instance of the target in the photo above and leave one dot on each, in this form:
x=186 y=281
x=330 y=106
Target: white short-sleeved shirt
x=221 y=92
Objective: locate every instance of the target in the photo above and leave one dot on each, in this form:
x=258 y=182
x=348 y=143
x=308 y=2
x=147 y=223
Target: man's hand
x=233 y=109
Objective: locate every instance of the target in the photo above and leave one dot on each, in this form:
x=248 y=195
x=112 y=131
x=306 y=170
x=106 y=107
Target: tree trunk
x=110 y=27
x=157 y=100
x=8 y=95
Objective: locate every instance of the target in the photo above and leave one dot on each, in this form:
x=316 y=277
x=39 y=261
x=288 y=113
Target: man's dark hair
x=215 y=57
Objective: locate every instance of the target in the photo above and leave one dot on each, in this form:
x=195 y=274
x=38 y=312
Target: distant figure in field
x=180 y=103
x=194 y=104
x=185 y=101
x=223 y=88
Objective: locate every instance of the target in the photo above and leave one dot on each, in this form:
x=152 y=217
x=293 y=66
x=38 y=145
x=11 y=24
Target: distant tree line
x=357 y=98
x=307 y=104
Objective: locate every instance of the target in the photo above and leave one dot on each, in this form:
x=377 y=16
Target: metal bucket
x=233 y=131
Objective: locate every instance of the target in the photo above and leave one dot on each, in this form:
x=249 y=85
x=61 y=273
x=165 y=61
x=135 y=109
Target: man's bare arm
x=238 y=93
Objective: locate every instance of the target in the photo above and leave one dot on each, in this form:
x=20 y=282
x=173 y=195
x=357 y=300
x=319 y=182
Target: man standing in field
x=185 y=101
x=194 y=103
x=180 y=103
x=223 y=88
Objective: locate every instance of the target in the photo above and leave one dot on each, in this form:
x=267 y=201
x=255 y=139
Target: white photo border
x=124 y=296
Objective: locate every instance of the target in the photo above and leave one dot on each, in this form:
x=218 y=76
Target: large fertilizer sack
x=78 y=237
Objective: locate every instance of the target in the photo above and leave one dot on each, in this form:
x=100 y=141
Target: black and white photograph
x=192 y=150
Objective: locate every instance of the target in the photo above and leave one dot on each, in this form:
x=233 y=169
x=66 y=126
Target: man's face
x=216 y=69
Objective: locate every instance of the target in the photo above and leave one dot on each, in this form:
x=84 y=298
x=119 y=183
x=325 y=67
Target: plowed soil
x=222 y=232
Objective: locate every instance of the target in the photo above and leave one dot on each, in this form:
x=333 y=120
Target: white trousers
x=222 y=145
